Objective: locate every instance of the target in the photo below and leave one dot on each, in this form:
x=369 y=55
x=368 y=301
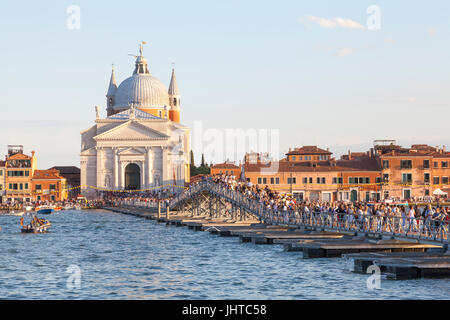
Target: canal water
x=98 y=254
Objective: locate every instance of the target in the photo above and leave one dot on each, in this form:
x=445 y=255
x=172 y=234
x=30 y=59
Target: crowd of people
x=150 y=197
x=378 y=217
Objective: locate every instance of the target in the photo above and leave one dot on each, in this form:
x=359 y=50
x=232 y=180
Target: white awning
x=439 y=192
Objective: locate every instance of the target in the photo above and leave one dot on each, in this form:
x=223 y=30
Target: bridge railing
x=417 y=228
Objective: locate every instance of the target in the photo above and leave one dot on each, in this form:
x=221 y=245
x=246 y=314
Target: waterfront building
x=2 y=180
x=48 y=185
x=386 y=172
x=228 y=168
x=140 y=144
x=311 y=173
x=19 y=171
x=72 y=176
x=414 y=172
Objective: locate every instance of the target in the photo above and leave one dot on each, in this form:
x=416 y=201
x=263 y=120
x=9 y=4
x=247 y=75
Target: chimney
x=32 y=153
x=443 y=149
x=349 y=155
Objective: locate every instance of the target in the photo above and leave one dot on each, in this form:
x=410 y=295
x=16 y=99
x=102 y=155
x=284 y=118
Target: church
x=140 y=145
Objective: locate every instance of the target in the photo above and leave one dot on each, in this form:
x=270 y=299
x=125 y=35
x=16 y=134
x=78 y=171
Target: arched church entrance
x=132 y=177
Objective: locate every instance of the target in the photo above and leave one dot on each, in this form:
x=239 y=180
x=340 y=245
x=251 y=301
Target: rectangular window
x=444 y=180
x=385 y=164
x=361 y=180
x=1 y=172
x=27 y=173
x=323 y=180
x=350 y=180
x=277 y=180
x=300 y=158
x=264 y=182
x=444 y=164
x=427 y=192
x=310 y=180
x=426 y=178
x=435 y=180
x=318 y=180
x=305 y=180
x=386 y=177
x=15 y=186
x=426 y=164
x=10 y=186
x=367 y=180
x=20 y=186
x=377 y=180
x=272 y=180
x=340 y=180
x=436 y=164
x=38 y=187
x=38 y=198
x=406 y=178
x=259 y=180
x=406 y=164
x=293 y=158
x=334 y=180
x=26 y=186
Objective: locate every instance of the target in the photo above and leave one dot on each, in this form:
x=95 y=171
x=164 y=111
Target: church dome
x=142 y=89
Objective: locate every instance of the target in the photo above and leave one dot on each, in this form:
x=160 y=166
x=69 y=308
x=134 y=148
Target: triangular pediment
x=131 y=152
x=131 y=130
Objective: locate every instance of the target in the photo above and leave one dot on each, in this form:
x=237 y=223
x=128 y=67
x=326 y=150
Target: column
x=143 y=169
x=149 y=166
x=116 y=171
x=99 y=182
x=164 y=165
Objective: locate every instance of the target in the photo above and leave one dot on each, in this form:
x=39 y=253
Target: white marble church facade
x=132 y=148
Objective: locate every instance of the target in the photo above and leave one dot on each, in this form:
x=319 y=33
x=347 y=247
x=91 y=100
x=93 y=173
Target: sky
x=326 y=73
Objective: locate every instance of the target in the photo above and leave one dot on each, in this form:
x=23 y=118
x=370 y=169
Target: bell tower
x=110 y=95
x=174 y=99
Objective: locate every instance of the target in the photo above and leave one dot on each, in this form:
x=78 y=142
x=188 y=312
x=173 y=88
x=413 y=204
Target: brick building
x=415 y=172
x=387 y=171
x=228 y=168
x=19 y=171
x=311 y=173
x=48 y=185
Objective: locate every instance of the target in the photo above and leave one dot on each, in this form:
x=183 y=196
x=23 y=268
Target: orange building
x=416 y=172
x=310 y=173
x=48 y=185
x=228 y=168
x=19 y=171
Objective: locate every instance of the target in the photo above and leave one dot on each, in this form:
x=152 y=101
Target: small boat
x=28 y=208
x=45 y=210
x=36 y=226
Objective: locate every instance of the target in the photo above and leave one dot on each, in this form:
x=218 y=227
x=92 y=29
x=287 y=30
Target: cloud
x=345 y=51
x=336 y=22
x=389 y=40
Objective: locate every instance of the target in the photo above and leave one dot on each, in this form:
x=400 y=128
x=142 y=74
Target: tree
x=203 y=161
